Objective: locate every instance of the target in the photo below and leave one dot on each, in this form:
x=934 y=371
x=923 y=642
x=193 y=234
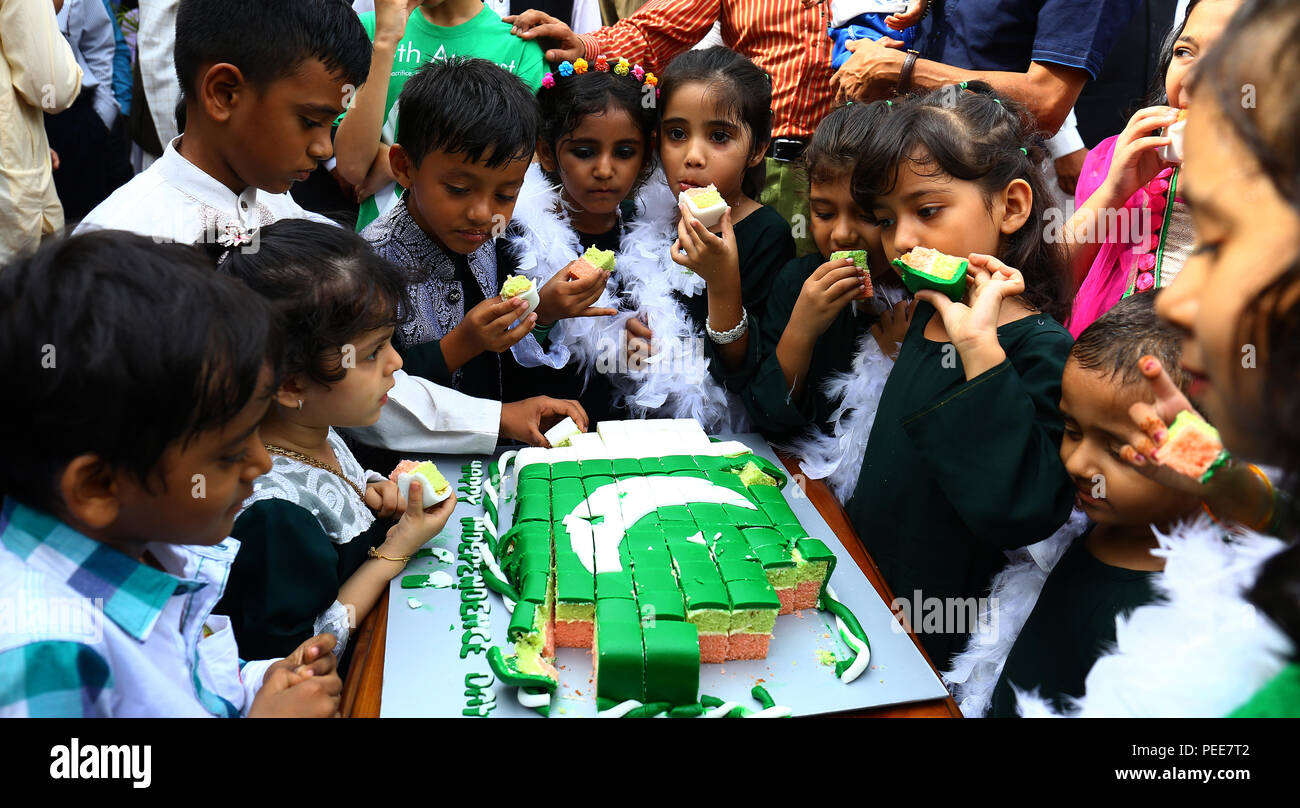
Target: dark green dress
x=1072 y=624
x=763 y=246
x=287 y=572
x=957 y=471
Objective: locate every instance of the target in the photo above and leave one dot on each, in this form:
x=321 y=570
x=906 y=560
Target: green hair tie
x=1023 y=151
x=889 y=103
x=962 y=85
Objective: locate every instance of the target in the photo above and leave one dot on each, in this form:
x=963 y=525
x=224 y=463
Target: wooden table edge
x=363 y=690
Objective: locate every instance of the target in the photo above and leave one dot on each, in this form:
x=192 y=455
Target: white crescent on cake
x=705 y=204
x=521 y=287
x=433 y=485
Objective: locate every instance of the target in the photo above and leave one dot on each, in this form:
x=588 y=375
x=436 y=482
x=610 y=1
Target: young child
x=595 y=151
x=262 y=81
x=962 y=456
x=1050 y=632
x=715 y=124
x=1227 y=586
x=1126 y=173
x=313 y=556
x=126 y=458
x=823 y=353
x=469 y=130
x=406 y=35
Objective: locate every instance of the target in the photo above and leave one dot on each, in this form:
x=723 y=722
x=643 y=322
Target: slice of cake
x=860 y=261
x=600 y=259
x=1192 y=448
x=562 y=433
x=1173 y=153
x=924 y=268
x=705 y=204
x=434 y=486
x=521 y=286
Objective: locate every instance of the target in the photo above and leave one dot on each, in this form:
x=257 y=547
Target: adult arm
x=44 y=70
x=657 y=32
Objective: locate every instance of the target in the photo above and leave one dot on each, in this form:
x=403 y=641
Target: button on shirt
x=87 y=631
x=1009 y=34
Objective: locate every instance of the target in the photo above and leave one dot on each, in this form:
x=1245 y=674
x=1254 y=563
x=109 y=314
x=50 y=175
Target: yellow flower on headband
x=580 y=66
x=623 y=66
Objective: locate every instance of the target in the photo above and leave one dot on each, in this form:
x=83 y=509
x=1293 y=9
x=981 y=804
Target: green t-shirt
x=483 y=37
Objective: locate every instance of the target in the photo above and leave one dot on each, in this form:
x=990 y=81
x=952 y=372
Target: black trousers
x=93 y=161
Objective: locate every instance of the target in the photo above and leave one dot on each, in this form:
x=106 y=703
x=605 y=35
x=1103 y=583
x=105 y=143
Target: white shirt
x=175 y=200
x=156 y=43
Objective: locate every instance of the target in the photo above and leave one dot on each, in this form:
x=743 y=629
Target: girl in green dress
x=318 y=546
x=962 y=461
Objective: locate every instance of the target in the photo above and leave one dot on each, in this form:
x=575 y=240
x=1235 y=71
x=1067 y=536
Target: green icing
x=750 y=594
x=534 y=471
x=662 y=604
x=672 y=662
x=654 y=578
x=652 y=465
x=534 y=588
x=522 y=621
x=650 y=558
x=619 y=659
x=594 y=468
x=726 y=479
x=573 y=584
x=766 y=494
x=565 y=468
x=617 y=611
x=746 y=517
x=792 y=533
x=774 y=555
x=779 y=512
x=740 y=569
x=627 y=467
x=708 y=514
x=761 y=536
x=590 y=484
x=614 y=585
x=712 y=595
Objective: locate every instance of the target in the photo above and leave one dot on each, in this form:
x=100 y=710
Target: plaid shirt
x=88 y=631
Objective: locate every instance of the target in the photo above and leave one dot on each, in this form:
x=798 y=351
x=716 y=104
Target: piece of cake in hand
x=705 y=204
x=1192 y=447
x=435 y=486
x=600 y=259
x=860 y=261
x=924 y=268
x=1173 y=153
x=560 y=434
x=523 y=287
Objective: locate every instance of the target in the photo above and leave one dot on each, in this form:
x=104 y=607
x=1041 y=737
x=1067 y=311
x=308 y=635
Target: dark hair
x=575 y=97
x=966 y=131
x=471 y=106
x=1114 y=342
x=839 y=139
x=1256 y=50
x=742 y=90
x=114 y=345
x=327 y=286
x=1158 y=95
x=268 y=39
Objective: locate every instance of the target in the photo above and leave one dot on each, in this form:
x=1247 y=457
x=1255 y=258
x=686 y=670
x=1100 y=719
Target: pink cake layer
x=574 y=633
x=748 y=646
x=713 y=648
x=548 y=647
x=786 y=596
x=805 y=595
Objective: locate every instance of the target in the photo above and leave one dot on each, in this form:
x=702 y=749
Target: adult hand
x=911 y=16
x=531 y=25
x=1135 y=162
x=1068 y=169
x=525 y=420
x=871 y=73
x=54 y=160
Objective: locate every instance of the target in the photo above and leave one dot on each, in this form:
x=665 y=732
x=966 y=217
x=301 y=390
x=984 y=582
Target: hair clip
x=623 y=66
x=566 y=68
x=548 y=81
x=580 y=66
x=602 y=64
x=234 y=235
x=652 y=80
x=637 y=72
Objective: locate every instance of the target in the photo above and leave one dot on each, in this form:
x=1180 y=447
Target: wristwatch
x=905 y=75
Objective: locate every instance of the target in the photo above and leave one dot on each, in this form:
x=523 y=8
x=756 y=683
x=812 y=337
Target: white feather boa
x=837 y=457
x=1013 y=593
x=1202 y=651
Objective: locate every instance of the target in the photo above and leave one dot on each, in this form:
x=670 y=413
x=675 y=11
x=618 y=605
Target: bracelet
x=1272 y=502
x=728 y=337
x=373 y=553
x=905 y=75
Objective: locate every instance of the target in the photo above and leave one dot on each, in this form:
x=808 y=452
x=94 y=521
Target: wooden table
x=363 y=689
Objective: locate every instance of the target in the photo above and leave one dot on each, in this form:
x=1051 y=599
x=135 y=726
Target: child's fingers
x=638 y=329
x=940 y=302
x=1151 y=429
x=597 y=312
x=681 y=255
x=831 y=266
x=847 y=288
x=415 y=498
x=520 y=331
x=1169 y=399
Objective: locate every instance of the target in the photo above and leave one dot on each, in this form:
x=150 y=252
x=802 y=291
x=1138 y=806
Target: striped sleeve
x=657 y=32
x=55 y=679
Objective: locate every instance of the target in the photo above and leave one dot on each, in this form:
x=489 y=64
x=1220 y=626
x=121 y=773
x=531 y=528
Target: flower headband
x=622 y=68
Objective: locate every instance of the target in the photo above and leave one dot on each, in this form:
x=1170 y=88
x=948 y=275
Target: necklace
x=311 y=461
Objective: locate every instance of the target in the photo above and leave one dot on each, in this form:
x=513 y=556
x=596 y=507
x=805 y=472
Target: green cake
x=860 y=261
x=658 y=564
x=924 y=268
x=600 y=259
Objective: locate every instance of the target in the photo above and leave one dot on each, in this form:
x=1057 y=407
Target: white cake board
x=425 y=677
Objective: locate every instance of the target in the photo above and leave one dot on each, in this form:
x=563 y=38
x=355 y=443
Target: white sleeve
x=251 y=676
x=424 y=417
x=1067 y=139
x=529 y=353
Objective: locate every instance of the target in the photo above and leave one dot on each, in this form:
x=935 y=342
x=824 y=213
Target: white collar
x=176 y=169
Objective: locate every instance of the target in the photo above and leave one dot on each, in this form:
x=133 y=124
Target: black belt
x=786 y=149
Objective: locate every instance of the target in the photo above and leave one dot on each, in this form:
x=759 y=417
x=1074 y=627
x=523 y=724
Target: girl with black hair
x=1131 y=230
x=823 y=353
x=595 y=151
x=1225 y=641
x=714 y=127
x=962 y=460
x=317 y=545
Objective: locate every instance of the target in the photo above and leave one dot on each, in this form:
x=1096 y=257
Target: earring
x=300 y=405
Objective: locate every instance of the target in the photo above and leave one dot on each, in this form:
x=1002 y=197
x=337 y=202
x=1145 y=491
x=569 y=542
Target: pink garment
x=1117 y=261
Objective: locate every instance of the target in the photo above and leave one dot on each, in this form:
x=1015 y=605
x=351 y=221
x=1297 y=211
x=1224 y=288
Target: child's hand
x=390 y=20
x=890 y=330
x=523 y=420
x=714 y=258
x=1151 y=428
x=417 y=525
x=385 y=499
x=1135 y=162
x=831 y=287
x=488 y=325
x=640 y=342
x=915 y=11
x=312 y=658
x=286 y=694
x=571 y=293
x=973 y=329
